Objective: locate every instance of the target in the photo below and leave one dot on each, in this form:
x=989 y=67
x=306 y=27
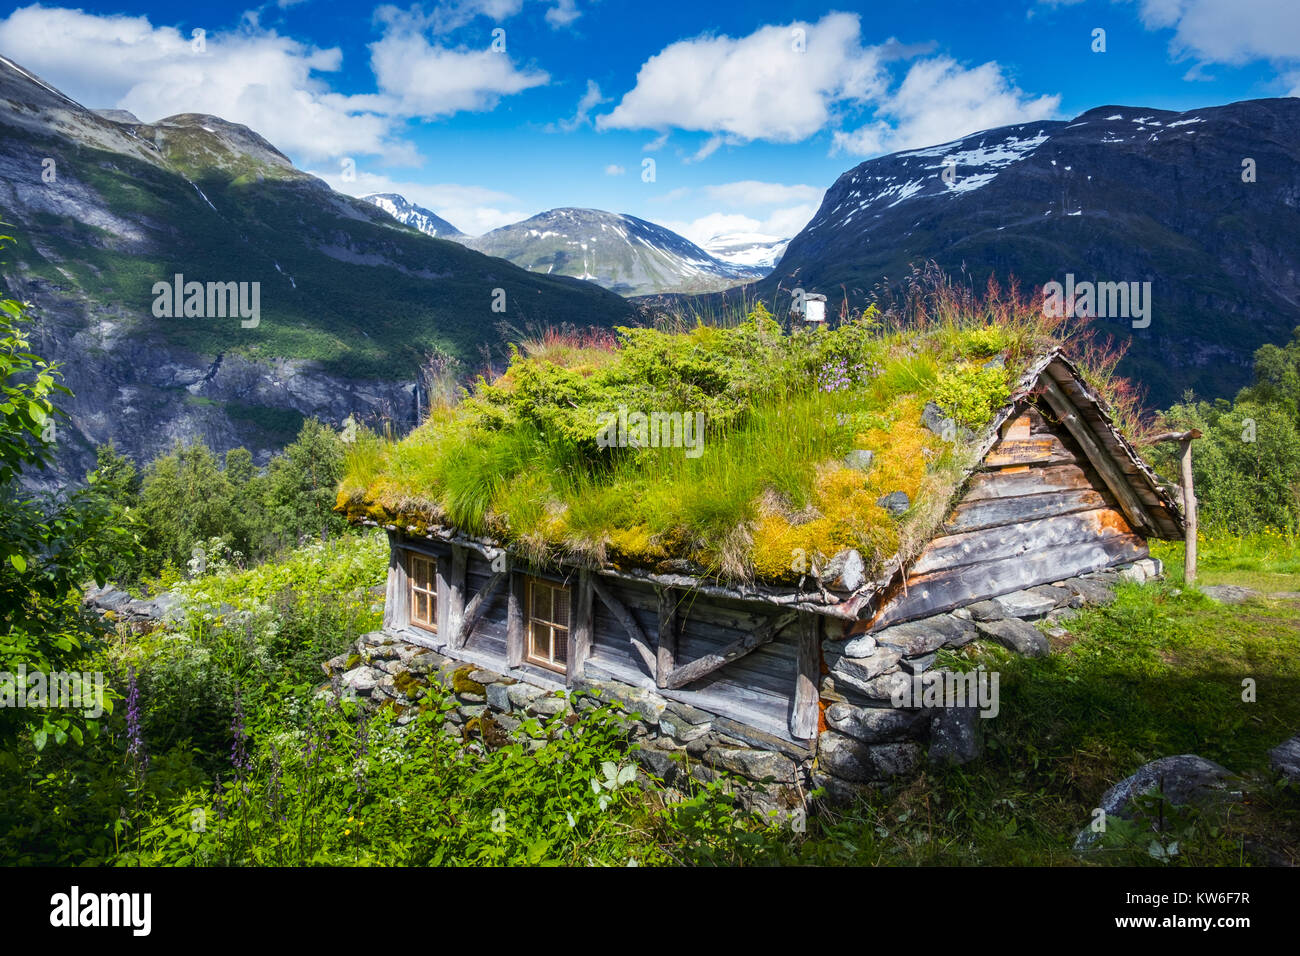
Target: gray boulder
x=1229 y=593
x=1016 y=635
x=1184 y=780
x=1285 y=759
x=860 y=458
x=896 y=502
x=1025 y=604
x=874 y=725
x=956 y=736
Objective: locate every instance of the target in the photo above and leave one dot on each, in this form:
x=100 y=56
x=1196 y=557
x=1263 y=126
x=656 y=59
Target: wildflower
x=239 y=747
x=135 y=750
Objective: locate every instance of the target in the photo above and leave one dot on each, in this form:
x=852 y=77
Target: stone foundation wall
x=864 y=739
x=675 y=740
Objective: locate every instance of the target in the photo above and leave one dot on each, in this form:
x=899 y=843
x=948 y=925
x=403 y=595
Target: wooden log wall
x=1036 y=512
x=757 y=688
x=728 y=657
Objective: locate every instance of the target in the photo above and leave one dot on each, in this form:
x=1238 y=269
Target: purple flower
x=239 y=748
x=135 y=738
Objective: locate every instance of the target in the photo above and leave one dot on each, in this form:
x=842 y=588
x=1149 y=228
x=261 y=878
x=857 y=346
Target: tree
x=302 y=482
x=186 y=500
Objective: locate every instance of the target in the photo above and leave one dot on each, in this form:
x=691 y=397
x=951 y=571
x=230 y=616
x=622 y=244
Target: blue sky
x=748 y=110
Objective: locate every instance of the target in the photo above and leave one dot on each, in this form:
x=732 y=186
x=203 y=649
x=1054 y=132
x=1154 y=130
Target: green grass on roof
x=769 y=494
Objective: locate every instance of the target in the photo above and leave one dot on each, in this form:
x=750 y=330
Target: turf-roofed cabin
x=784 y=649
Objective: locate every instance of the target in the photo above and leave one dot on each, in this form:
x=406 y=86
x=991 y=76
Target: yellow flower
x=347 y=832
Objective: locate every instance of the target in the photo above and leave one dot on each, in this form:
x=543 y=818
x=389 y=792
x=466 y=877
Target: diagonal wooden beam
x=624 y=616
x=1116 y=481
x=474 y=610
x=703 y=666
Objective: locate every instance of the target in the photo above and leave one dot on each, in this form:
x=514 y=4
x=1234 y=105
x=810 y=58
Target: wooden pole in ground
x=1185 y=440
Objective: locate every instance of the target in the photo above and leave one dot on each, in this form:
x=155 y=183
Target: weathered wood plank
x=804 y=710
x=993 y=512
x=581 y=626
x=1039 y=450
x=476 y=607
x=1017 y=428
x=1101 y=458
x=1028 y=481
x=624 y=617
x=945 y=590
x=702 y=666
x=1024 y=537
x=666 y=651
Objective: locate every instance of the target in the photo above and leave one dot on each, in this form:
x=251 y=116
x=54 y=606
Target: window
x=423 y=574
x=547 y=634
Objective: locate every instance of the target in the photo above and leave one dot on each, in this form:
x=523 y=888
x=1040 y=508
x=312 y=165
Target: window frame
x=413 y=558
x=549 y=663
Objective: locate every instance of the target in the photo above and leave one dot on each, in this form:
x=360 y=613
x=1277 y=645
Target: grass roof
x=774 y=490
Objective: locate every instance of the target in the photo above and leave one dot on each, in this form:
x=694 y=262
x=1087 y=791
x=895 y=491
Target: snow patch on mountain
x=417 y=217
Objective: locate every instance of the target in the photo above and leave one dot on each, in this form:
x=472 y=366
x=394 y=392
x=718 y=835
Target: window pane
x=561 y=646
x=421 y=607
x=560 y=612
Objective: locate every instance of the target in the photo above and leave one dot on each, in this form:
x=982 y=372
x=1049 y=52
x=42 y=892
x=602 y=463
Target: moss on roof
x=774 y=488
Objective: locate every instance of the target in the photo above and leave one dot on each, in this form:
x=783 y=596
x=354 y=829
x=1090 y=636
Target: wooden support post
x=582 y=627
x=805 y=711
x=515 y=622
x=1185 y=440
x=1189 y=510
x=397 y=595
x=456 y=593
x=666 y=652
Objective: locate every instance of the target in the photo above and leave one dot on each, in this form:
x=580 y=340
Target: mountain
x=750 y=249
x=352 y=304
x=417 y=217
x=1116 y=194
x=627 y=255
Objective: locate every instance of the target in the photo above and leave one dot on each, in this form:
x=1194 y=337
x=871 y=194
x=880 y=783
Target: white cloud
x=428 y=79
x=761 y=87
x=251 y=76
x=471 y=209
x=1228 y=31
x=589 y=101
x=940 y=100
x=451 y=14
x=614 y=170
x=563 y=13
x=755 y=87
